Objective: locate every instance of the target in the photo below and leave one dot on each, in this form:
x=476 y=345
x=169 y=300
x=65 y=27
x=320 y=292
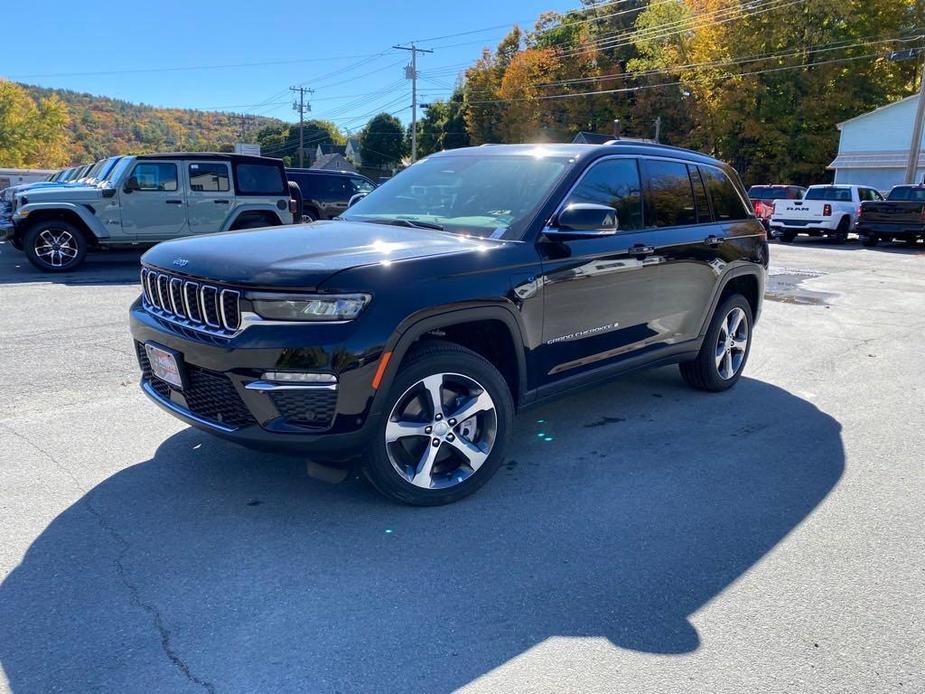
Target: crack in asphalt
x=151 y=609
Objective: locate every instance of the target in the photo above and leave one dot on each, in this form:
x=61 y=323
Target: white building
x=874 y=147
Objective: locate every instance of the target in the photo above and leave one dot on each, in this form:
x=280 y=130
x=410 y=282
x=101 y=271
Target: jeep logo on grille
x=180 y=262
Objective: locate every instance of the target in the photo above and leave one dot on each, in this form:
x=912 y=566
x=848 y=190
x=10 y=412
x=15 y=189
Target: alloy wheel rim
x=731 y=344
x=57 y=247
x=441 y=431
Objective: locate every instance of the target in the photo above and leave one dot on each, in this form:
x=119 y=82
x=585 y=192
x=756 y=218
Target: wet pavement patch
x=787 y=287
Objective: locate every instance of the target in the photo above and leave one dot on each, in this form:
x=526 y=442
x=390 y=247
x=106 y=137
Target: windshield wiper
x=411 y=223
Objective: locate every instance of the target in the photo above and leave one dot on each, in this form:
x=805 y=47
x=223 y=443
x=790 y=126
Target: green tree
x=383 y=141
x=32 y=131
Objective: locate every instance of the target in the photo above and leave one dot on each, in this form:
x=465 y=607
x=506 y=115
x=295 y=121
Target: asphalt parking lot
x=651 y=539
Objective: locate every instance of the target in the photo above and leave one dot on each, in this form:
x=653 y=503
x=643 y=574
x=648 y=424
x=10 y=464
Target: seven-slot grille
x=195 y=304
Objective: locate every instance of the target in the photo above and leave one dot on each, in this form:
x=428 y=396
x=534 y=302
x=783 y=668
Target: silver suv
x=146 y=199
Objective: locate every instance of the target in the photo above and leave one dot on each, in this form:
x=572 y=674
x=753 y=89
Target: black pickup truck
x=901 y=216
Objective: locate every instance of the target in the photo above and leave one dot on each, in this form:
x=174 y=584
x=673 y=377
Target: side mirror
x=131 y=185
x=354 y=199
x=584 y=220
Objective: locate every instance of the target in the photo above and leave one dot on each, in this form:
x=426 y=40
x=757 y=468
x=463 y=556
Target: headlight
x=322 y=307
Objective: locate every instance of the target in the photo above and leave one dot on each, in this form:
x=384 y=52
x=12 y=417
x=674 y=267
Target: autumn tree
x=32 y=131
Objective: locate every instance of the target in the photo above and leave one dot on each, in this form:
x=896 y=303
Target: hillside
x=101 y=126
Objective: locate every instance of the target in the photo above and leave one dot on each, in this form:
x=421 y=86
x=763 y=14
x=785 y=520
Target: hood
x=302 y=256
x=61 y=193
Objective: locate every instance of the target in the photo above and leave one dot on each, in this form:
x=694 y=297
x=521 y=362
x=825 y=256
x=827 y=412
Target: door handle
x=220 y=202
x=174 y=202
x=641 y=249
x=714 y=241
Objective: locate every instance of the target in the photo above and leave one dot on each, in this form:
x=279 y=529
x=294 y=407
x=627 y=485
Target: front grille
x=201 y=306
x=209 y=394
x=310 y=408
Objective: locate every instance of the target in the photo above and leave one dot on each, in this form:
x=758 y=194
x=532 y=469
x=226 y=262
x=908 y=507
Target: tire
x=411 y=469
x=55 y=246
x=787 y=236
x=841 y=232
x=705 y=371
x=869 y=240
x=309 y=216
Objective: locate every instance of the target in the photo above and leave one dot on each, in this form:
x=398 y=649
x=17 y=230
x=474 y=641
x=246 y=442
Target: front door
x=598 y=291
x=209 y=196
x=153 y=203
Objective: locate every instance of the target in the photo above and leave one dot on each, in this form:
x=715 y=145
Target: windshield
x=116 y=171
x=829 y=193
x=916 y=193
x=95 y=169
x=488 y=195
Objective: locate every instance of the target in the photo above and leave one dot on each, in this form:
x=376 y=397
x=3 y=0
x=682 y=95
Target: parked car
x=147 y=199
x=825 y=210
x=413 y=327
x=325 y=194
x=762 y=198
x=900 y=217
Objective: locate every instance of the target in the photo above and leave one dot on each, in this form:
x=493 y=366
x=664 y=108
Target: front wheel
x=725 y=348
x=447 y=419
x=55 y=246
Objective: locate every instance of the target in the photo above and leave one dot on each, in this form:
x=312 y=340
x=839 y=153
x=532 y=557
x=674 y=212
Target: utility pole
x=302 y=107
x=912 y=164
x=411 y=72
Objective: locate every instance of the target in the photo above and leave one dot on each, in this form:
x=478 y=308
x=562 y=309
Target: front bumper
x=323 y=423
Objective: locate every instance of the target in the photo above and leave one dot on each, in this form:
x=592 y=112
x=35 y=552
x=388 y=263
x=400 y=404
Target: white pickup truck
x=825 y=210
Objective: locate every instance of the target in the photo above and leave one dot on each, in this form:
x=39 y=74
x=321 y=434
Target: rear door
x=209 y=194
x=153 y=202
x=334 y=194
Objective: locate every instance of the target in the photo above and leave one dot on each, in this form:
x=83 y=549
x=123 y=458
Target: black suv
x=407 y=332
x=325 y=194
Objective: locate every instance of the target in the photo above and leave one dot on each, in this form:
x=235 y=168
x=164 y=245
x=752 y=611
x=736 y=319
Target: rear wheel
x=55 y=246
x=725 y=348
x=787 y=236
x=448 y=416
x=841 y=232
x=869 y=240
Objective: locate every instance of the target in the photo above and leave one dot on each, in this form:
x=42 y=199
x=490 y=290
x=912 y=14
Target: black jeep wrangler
x=406 y=333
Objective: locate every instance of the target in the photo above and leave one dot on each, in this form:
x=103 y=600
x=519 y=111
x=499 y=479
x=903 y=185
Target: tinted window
x=727 y=204
x=155 y=176
x=211 y=177
x=307 y=184
x=829 y=193
x=670 y=193
x=907 y=193
x=762 y=193
x=614 y=183
x=260 y=179
x=700 y=195
x=361 y=185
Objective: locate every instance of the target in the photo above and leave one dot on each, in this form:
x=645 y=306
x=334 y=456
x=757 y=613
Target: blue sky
x=341 y=49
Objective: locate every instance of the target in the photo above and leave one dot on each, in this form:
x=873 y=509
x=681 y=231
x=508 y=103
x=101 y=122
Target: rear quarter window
x=260 y=179
x=727 y=203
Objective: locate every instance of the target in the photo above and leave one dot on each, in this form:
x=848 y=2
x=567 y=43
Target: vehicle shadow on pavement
x=111 y=267
x=622 y=512
x=854 y=245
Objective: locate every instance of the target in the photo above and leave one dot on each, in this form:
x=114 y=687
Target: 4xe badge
x=180 y=262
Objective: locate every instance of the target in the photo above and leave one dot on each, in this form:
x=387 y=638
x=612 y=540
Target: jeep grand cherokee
x=406 y=333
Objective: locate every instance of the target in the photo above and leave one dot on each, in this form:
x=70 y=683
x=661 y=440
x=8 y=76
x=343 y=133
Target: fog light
x=293 y=377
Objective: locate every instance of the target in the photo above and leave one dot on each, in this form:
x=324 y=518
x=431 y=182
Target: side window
x=260 y=179
x=211 y=177
x=700 y=195
x=670 y=193
x=614 y=182
x=155 y=176
x=727 y=205
x=361 y=185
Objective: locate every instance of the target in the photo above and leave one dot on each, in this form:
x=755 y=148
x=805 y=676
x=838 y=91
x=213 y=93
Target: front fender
x=92 y=222
x=434 y=318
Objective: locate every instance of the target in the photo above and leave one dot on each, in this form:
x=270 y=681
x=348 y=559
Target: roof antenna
x=616 y=128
